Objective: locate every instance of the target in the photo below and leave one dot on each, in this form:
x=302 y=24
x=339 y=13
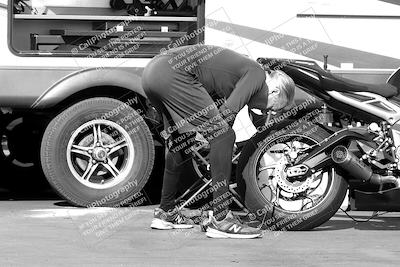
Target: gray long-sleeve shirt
x=223 y=72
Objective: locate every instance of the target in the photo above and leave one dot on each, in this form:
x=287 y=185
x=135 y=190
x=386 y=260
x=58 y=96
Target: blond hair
x=285 y=84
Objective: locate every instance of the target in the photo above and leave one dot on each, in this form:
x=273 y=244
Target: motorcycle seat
x=327 y=81
x=336 y=83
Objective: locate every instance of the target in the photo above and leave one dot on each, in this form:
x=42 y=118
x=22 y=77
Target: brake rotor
x=286 y=185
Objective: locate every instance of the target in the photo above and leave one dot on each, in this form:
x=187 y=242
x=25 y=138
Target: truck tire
x=98 y=152
x=19 y=156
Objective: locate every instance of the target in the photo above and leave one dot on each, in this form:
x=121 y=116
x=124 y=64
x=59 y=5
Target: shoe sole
x=213 y=233
x=163 y=225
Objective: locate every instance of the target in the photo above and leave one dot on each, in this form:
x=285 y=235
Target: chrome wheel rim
x=100 y=154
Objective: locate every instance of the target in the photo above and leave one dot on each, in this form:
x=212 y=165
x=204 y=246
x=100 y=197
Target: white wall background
x=379 y=36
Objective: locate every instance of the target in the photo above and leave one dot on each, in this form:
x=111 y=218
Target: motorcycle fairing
x=373 y=104
x=370 y=98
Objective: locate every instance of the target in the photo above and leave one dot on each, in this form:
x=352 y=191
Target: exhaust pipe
x=356 y=168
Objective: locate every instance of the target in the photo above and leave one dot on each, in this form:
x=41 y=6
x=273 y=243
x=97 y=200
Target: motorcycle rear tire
x=275 y=218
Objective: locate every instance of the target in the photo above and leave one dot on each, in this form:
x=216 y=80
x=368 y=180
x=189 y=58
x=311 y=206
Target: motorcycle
x=296 y=170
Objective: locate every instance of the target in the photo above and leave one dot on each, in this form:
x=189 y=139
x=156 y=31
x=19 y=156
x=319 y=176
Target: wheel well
x=130 y=97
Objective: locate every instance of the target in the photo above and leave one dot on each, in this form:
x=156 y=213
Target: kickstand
x=207 y=182
x=194 y=195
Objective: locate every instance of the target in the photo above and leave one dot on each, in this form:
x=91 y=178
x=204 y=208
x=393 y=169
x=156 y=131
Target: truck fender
x=87 y=78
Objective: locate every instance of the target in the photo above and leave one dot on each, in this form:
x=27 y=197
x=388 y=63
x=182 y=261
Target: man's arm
x=252 y=81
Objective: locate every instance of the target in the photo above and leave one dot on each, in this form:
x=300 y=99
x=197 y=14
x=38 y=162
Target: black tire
x=61 y=170
x=276 y=218
x=21 y=172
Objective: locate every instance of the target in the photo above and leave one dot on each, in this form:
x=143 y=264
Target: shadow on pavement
x=340 y=221
x=7 y=194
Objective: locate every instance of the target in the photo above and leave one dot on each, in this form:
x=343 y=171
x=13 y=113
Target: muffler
x=358 y=169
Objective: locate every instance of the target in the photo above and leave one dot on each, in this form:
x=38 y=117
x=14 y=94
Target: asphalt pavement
x=51 y=233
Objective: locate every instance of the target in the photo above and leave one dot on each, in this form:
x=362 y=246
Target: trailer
x=71 y=99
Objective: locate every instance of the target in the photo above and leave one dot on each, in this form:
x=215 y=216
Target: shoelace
x=236 y=219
